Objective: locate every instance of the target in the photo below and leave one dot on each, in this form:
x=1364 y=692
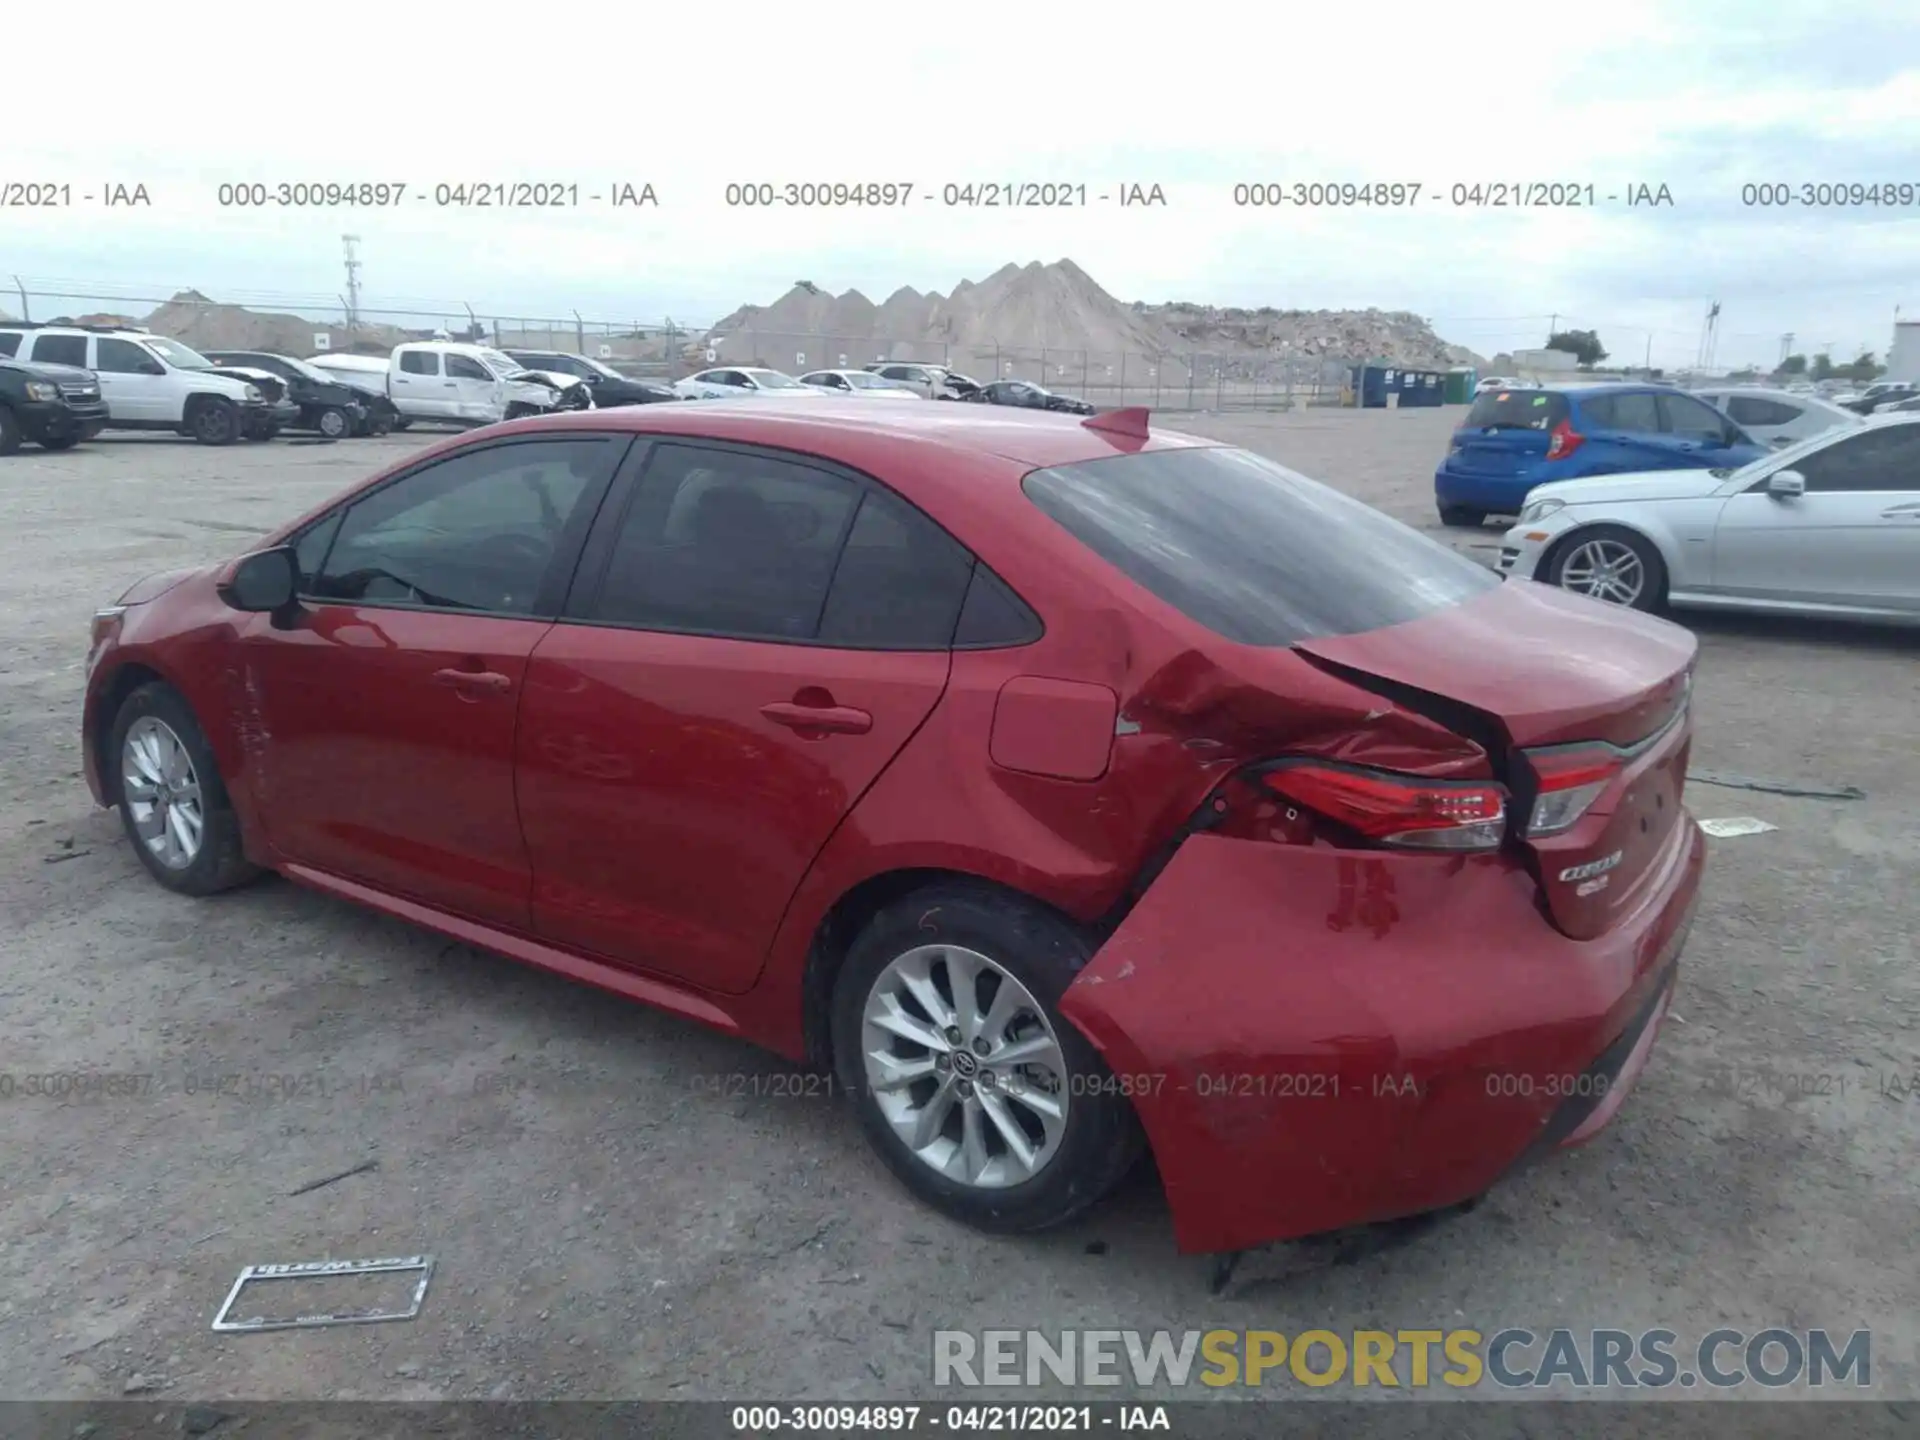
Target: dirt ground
x=613 y=1218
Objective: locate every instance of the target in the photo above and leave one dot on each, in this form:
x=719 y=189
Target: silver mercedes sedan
x=1829 y=526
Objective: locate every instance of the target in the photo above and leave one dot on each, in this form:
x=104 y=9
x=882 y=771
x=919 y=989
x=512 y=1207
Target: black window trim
x=596 y=556
x=561 y=572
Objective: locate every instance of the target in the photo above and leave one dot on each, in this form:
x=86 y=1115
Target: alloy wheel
x=965 y=1066
x=1604 y=569
x=162 y=792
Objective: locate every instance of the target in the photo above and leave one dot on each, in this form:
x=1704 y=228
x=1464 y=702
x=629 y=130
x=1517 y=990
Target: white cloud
x=1696 y=96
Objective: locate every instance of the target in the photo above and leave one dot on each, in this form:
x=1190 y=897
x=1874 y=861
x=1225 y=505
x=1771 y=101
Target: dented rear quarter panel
x=1315 y=1038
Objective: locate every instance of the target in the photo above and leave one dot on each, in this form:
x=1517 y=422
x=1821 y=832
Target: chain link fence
x=664 y=349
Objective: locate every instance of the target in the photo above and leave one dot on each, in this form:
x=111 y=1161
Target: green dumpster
x=1460 y=383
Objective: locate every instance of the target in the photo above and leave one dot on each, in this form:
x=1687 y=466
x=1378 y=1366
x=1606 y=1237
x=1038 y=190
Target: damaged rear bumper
x=1317 y=1039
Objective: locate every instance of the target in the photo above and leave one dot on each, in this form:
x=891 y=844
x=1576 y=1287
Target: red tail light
x=1407 y=811
x=1565 y=441
x=1570 y=781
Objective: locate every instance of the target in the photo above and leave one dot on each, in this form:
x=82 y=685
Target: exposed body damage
x=1307 y=1066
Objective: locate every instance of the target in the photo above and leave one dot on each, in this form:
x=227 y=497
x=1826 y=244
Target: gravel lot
x=615 y=1218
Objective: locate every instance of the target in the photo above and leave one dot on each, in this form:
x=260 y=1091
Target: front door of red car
x=381 y=716
x=758 y=638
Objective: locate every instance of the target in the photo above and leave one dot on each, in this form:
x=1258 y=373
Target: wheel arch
x=1663 y=546
x=129 y=677
x=852 y=911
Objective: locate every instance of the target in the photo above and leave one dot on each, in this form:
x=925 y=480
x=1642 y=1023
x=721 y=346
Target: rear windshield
x=1516 y=410
x=1251 y=550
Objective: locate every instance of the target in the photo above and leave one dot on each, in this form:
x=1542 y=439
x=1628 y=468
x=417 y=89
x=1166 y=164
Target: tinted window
x=420 y=362
x=1753 y=410
x=1685 y=415
x=461 y=368
x=993 y=615
x=1879 y=459
x=727 y=542
x=476 y=531
x=899 y=582
x=1250 y=549
x=61 y=349
x=1516 y=410
x=121 y=357
x=9 y=344
x=1638 y=413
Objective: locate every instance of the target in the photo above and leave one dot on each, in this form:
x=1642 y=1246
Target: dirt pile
x=205 y=324
x=1395 y=335
x=1028 y=308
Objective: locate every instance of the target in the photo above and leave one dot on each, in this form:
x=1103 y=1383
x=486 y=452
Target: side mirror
x=264 y=582
x=152 y=367
x=1780 y=442
x=1785 y=484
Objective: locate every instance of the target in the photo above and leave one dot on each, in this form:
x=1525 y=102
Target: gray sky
x=1701 y=97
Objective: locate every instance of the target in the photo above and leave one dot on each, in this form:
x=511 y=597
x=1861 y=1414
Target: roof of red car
x=840 y=429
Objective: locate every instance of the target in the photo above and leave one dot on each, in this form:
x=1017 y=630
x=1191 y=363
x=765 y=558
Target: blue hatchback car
x=1513 y=440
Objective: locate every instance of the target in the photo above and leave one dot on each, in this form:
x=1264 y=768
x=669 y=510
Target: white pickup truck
x=452 y=382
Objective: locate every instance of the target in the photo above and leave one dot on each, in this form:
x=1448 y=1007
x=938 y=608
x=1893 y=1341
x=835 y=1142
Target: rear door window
x=728 y=542
x=61 y=349
x=9 y=344
x=1516 y=410
x=1635 y=412
x=1756 y=410
x=1253 y=551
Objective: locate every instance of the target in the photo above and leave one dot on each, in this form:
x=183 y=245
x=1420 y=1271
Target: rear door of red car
x=752 y=638
x=382 y=715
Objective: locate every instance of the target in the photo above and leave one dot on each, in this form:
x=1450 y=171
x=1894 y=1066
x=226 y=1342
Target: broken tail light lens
x=1565 y=441
x=1570 y=782
x=1406 y=811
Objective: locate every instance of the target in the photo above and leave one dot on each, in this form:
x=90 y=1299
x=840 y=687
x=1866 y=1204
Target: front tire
x=1611 y=563
x=9 y=431
x=974 y=1090
x=60 y=442
x=214 y=422
x=173 y=805
x=332 y=422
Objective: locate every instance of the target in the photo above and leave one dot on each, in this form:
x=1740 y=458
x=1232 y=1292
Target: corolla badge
x=1591 y=868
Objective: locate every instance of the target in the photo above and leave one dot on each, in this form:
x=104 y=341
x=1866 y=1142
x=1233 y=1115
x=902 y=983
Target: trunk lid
x=1549 y=684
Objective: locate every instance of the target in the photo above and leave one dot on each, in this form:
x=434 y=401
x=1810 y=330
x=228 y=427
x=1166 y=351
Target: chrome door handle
x=1902 y=512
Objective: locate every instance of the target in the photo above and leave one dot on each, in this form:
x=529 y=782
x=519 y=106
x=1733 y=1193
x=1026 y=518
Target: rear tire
x=1462 y=516
x=1610 y=563
x=169 y=767
x=923 y=944
x=60 y=442
x=214 y=422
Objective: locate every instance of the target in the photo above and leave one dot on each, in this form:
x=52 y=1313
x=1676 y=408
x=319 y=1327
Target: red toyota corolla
x=1064 y=787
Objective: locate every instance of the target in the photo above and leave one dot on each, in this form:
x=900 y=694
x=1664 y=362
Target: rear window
x=1251 y=550
x=1516 y=410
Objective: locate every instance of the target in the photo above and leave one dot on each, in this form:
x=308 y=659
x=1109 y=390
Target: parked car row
x=878 y=381
x=66 y=383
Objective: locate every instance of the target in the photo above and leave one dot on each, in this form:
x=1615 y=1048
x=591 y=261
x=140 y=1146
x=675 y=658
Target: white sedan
x=860 y=383
x=733 y=381
x=1777 y=417
x=1829 y=526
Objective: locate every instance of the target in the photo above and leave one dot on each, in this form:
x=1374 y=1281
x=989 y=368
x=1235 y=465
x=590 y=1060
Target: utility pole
x=1648 y=367
x=353 y=281
x=1553 y=326
x=1786 y=346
